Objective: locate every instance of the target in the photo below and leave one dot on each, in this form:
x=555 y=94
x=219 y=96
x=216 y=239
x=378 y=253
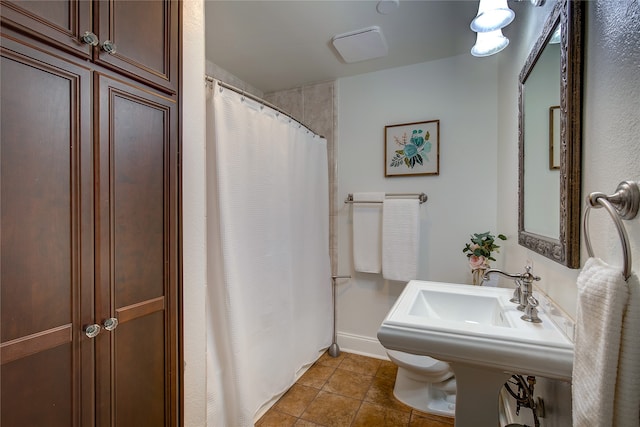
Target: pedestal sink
x=479 y=332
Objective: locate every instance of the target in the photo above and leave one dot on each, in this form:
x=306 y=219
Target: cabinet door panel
x=146 y=38
x=136 y=267
x=140 y=134
x=58 y=22
x=46 y=244
x=36 y=389
x=141 y=389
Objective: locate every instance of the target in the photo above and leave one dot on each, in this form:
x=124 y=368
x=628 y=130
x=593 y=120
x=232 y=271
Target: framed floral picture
x=412 y=149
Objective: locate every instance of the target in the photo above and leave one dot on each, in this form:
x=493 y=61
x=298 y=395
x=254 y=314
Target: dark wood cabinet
x=143 y=34
x=60 y=23
x=136 y=253
x=89 y=226
x=47 y=242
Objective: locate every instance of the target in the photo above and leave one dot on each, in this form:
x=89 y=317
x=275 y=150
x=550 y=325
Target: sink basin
x=475 y=309
x=477 y=325
x=479 y=332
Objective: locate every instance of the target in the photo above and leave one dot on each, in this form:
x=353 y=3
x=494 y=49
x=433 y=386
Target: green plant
x=480 y=248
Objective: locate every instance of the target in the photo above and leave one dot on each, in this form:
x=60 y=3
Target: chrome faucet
x=523 y=294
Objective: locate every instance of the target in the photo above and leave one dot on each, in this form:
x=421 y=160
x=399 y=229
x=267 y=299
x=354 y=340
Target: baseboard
x=359 y=344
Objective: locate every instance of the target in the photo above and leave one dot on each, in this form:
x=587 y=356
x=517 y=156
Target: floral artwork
x=412 y=148
x=412 y=152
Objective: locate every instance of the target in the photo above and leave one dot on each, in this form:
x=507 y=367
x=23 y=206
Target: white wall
x=462 y=93
x=194 y=280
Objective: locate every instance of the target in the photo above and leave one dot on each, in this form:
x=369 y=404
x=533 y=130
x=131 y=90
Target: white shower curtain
x=269 y=286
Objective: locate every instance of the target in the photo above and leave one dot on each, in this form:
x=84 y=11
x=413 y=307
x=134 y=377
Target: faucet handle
x=528 y=276
x=517 y=292
x=530 y=311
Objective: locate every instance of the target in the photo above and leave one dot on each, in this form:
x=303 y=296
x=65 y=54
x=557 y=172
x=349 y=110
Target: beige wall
x=194 y=232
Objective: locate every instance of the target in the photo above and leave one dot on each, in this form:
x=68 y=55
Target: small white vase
x=476 y=276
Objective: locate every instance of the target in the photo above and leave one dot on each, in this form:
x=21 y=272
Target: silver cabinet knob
x=89 y=38
x=110 y=324
x=109 y=47
x=92 y=330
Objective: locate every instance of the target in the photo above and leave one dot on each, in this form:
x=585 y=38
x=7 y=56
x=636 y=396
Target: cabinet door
x=58 y=22
x=136 y=262
x=145 y=34
x=46 y=249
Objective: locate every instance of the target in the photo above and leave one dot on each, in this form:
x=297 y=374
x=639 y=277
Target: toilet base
x=438 y=399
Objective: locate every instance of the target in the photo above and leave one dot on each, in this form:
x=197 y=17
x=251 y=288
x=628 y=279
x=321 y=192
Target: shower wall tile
x=318 y=108
x=290 y=101
x=223 y=75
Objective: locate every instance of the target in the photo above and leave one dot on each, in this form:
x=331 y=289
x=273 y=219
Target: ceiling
x=275 y=45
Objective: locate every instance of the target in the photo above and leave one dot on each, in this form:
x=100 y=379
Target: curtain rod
x=259 y=100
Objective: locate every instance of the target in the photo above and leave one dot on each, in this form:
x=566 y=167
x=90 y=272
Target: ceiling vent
x=361 y=45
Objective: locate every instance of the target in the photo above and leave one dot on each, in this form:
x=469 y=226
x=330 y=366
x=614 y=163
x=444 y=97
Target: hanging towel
x=627 y=398
x=367 y=232
x=602 y=300
x=400 y=239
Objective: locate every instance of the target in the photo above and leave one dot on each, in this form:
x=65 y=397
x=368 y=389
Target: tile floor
x=347 y=391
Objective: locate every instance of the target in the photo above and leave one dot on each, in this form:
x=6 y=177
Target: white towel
x=367 y=232
x=602 y=300
x=627 y=400
x=400 y=239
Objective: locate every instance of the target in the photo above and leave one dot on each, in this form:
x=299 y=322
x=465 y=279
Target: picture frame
x=412 y=149
x=554 y=137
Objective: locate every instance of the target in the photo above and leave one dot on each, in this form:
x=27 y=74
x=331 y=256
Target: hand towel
x=602 y=300
x=367 y=232
x=400 y=239
x=627 y=398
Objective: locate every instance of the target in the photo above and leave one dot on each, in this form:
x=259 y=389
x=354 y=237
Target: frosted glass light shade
x=385 y=7
x=555 y=37
x=489 y=43
x=492 y=15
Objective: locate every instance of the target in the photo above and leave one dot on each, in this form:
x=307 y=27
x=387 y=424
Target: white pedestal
x=477 y=393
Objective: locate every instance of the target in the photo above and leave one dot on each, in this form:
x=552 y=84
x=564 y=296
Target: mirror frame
x=565 y=249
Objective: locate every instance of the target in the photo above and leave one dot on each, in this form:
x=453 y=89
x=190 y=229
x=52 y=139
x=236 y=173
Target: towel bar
x=623 y=204
x=421 y=196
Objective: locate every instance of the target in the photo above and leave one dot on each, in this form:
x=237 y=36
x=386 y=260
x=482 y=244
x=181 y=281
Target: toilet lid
x=424 y=362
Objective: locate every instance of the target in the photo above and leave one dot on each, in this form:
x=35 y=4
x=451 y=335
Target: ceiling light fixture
x=385 y=7
x=489 y=43
x=555 y=37
x=492 y=15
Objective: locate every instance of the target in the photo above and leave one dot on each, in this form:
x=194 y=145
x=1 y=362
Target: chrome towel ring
x=623 y=204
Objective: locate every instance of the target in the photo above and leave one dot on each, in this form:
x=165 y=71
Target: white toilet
x=424 y=383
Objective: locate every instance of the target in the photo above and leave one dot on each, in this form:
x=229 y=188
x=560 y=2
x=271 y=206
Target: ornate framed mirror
x=549 y=196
